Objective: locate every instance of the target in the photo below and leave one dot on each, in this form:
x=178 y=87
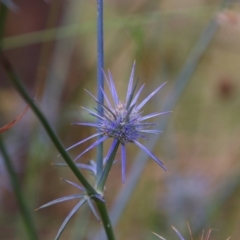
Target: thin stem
x=100 y=79
x=26 y=216
x=21 y=89
x=110 y=159
x=106 y=220
x=90 y=190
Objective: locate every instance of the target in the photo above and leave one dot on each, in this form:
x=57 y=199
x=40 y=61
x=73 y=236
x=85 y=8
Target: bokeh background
x=52 y=46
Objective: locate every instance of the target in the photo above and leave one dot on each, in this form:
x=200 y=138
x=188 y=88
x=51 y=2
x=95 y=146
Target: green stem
x=106 y=220
x=90 y=190
x=21 y=89
x=103 y=179
x=26 y=216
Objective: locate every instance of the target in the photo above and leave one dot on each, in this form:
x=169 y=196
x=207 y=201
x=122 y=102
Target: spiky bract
x=122 y=121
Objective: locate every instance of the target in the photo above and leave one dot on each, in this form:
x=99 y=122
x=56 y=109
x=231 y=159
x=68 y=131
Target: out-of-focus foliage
x=52 y=46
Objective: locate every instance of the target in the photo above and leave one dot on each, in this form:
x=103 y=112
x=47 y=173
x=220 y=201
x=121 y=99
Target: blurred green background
x=52 y=46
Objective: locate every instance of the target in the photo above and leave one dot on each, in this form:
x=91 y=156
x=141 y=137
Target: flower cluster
x=122 y=121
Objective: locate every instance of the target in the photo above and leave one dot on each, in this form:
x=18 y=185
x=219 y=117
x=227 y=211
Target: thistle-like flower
x=122 y=121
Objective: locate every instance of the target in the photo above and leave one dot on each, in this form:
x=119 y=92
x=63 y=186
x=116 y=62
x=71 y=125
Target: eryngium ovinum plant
x=121 y=121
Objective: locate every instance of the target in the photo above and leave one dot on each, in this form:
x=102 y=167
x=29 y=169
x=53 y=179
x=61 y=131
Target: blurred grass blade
x=25 y=214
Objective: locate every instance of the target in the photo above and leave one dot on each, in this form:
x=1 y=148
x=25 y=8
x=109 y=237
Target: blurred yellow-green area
x=52 y=46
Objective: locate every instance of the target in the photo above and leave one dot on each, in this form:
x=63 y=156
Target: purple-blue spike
x=122 y=121
x=137 y=95
x=91 y=95
x=102 y=139
x=113 y=89
x=151 y=131
x=62 y=199
x=73 y=184
x=93 y=113
x=87 y=124
x=106 y=99
x=84 y=140
x=87 y=167
x=152 y=115
x=123 y=150
x=93 y=209
x=149 y=97
x=130 y=84
x=150 y=154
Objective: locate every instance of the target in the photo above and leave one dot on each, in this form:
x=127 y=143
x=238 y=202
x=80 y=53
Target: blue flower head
x=122 y=120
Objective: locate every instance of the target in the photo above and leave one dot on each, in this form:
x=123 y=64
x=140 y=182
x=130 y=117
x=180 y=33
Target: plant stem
x=90 y=190
x=21 y=89
x=100 y=83
x=111 y=157
x=100 y=80
x=106 y=220
x=26 y=216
